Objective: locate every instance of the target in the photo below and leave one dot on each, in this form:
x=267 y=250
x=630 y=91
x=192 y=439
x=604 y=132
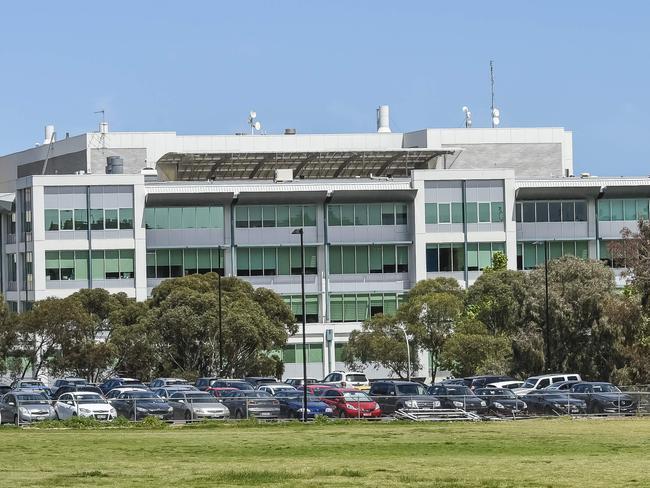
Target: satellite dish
x=495 y=120
x=253 y=114
x=495 y=112
x=257 y=125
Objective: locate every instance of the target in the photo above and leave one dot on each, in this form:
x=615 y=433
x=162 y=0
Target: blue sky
x=199 y=67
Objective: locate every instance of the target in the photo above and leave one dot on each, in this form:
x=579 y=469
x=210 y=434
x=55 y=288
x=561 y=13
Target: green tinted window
x=472 y=213
x=111 y=219
x=374 y=214
x=81 y=265
x=67 y=220
x=484 y=212
x=336 y=260
x=241 y=217
x=457 y=213
x=203 y=218
x=360 y=215
x=284 y=261
x=175 y=218
x=617 y=209
x=295 y=216
x=444 y=213
x=309 y=215
x=347 y=214
x=98 y=265
x=149 y=218
x=431 y=213
x=126 y=218
x=361 y=253
x=81 y=219
x=216 y=217
x=282 y=216
x=497 y=212
x=51 y=219
x=629 y=207
x=333 y=215
x=162 y=218
x=604 y=211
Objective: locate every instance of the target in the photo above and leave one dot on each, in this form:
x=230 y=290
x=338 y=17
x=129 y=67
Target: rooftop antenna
x=103 y=128
x=496 y=120
x=468 y=117
x=255 y=124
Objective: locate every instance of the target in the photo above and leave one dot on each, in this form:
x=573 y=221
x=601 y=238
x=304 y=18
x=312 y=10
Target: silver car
x=84 y=404
x=197 y=405
x=25 y=406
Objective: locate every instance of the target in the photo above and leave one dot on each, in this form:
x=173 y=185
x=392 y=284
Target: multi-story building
x=380 y=211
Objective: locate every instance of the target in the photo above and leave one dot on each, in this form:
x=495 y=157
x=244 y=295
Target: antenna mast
x=493 y=110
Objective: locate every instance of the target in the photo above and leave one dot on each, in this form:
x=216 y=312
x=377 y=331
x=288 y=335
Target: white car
x=347 y=379
x=510 y=385
x=274 y=388
x=84 y=404
x=542 y=381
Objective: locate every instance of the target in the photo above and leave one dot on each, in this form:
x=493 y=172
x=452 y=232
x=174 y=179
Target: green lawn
x=539 y=453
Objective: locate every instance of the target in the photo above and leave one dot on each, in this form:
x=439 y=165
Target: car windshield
x=497 y=392
x=256 y=394
x=357 y=396
x=605 y=388
x=143 y=394
x=31 y=383
x=411 y=389
x=89 y=399
x=38 y=399
x=297 y=395
x=530 y=383
x=76 y=382
x=356 y=378
x=177 y=382
x=198 y=398
x=458 y=390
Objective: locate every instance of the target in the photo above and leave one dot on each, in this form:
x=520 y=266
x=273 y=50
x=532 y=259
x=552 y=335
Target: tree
x=431 y=310
x=634 y=250
x=380 y=342
x=472 y=349
x=8 y=334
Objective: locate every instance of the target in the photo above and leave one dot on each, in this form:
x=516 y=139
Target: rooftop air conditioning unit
x=283 y=175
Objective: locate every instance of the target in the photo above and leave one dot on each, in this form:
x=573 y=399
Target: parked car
x=251 y=403
x=296 y=382
x=111 y=383
x=542 y=381
x=347 y=379
x=204 y=382
x=25 y=406
x=510 y=385
x=218 y=392
x=136 y=404
x=197 y=405
x=4 y=389
x=162 y=382
x=168 y=391
x=65 y=382
x=69 y=388
x=275 y=388
x=458 y=397
x=392 y=395
x=316 y=389
x=502 y=401
x=84 y=404
x=231 y=383
x=257 y=381
x=36 y=385
x=351 y=403
x=115 y=392
x=563 y=385
x=603 y=398
x=292 y=404
x=553 y=402
x=475 y=382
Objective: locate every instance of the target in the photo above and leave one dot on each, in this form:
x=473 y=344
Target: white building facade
x=380 y=211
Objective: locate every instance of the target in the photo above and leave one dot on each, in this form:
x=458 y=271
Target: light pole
x=304 y=322
x=546 y=323
x=220 y=315
x=402 y=327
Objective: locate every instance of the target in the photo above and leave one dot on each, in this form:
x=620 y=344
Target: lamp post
x=402 y=327
x=220 y=314
x=300 y=231
x=546 y=323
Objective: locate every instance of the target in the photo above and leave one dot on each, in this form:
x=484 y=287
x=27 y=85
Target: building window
x=357 y=307
x=270 y=261
x=606 y=255
x=553 y=211
x=251 y=217
x=11 y=268
x=311 y=305
x=66 y=265
x=77 y=219
x=173 y=263
x=113 y=264
x=165 y=218
x=451 y=257
x=388 y=258
x=622 y=210
x=362 y=214
x=292 y=353
x=531 y=255
x=475 y=212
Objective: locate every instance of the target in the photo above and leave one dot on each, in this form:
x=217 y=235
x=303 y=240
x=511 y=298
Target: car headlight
x=523 y=405
x=84 y=410
x=458 y=404
x=436 y=403
x=557 y=405
x=350 y=406
x=170 y=409
x=484 y=404
x=24 y=411
x=411 y=403
x=198 y=410
x=498 y=405
x=300 y=410
x=328 y=410
x=113 y=412
x=141 y=409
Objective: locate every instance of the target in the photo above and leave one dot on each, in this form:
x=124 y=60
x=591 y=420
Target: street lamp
x=402 y=327
x=300 y=231
x=220 y=314
x=546 y=323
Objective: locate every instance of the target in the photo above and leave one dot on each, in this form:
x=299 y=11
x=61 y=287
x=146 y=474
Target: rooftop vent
x=50 y=135
x=383 y=116
x=289 y=132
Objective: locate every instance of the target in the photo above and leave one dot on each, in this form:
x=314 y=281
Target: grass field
x=537 y=453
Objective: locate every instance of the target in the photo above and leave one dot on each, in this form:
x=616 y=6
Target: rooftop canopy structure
x=175 y=166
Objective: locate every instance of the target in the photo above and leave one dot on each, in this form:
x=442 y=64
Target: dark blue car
x=291 y=403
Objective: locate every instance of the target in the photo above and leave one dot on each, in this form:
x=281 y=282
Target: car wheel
x=597 y=409
x=132 y=416
x=239 y=415
x=16 y=420
x=188 y=416
x=341 y=414
x=548 y=411
x=57 y=415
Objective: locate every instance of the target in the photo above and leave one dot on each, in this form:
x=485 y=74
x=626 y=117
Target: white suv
x=347 y=379
x=542 y=381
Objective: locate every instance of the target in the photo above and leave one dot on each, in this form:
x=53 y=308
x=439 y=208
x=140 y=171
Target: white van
x=542 y=381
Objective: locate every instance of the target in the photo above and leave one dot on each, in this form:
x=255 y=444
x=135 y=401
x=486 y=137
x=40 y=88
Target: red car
x=351 y=403
x=218 y=392
x=316 y=389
